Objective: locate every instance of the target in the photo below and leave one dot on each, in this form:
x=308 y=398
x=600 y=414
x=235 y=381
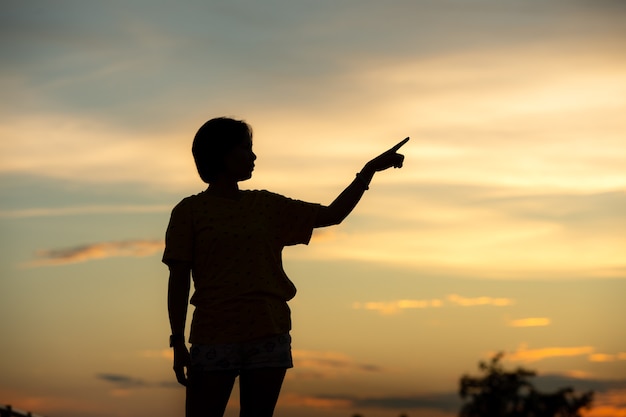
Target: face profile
x=239 y=162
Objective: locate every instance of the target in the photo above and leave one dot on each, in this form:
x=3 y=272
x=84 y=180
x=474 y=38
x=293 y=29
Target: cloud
x=530 y=322
x=485 y=231
x=123 y=385
x=394 y=307
x=444 y=402
x=523 y=354
x=309 y=364
x=296 y=400
x=78 y=210
x=103 y=250
x=122 y=381
x=609 y=404
x=606 y=357
x=421 y=77
x=479 y=301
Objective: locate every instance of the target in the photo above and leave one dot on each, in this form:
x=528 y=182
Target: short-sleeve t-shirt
x=234 y=248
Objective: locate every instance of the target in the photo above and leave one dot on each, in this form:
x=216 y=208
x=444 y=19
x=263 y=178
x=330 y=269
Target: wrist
x=177 y=339
x=362 y=181
x=367 y=172
x=365 y=175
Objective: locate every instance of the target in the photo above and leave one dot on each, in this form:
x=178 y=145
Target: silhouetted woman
x=230 y=241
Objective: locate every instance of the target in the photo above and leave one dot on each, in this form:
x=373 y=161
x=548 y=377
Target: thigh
x=259 y=390
x=208 y=392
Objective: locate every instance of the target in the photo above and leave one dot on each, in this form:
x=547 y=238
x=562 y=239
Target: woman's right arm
x=177 y=303
x=343 y=205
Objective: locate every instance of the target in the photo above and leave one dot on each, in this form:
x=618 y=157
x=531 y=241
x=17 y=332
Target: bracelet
x=176 y=338
x=364 y=183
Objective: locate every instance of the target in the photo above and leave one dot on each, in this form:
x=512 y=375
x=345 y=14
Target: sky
x=505 y=231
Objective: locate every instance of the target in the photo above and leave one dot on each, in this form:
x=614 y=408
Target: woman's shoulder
x=189 y=202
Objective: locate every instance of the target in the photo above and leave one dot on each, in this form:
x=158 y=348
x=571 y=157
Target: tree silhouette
x=500 y=393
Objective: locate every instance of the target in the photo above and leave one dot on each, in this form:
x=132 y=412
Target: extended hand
x=388 y=159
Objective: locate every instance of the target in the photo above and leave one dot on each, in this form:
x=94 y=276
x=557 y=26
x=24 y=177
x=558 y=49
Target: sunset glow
x=504 y=231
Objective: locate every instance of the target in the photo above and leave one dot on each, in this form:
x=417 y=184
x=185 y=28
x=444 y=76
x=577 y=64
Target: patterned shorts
x=268 y=352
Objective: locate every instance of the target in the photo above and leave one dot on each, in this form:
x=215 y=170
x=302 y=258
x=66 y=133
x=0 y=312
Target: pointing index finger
x=400 y=144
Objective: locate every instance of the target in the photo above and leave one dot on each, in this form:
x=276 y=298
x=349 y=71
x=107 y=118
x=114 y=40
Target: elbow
x=327 y=216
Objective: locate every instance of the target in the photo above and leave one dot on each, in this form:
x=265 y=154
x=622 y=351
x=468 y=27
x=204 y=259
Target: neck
x=224 y=189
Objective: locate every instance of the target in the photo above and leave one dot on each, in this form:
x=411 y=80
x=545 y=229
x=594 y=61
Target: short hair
x=213 y=141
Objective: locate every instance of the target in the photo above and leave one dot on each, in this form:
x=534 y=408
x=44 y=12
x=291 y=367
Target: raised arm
x=177 y=302
x=345 y=202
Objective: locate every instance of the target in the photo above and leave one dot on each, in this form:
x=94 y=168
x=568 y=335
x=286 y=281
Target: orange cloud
x=530 y=322
x=84 y=253
x=605 y=411
x=523 y=354
x=479 y=301
x=608 y=404
x=605 y=357
x=291 y=399
x=394 y=307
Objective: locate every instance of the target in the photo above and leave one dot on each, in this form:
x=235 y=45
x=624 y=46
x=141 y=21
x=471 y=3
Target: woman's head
x=214 y=141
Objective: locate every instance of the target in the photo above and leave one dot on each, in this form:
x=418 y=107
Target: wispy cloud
x=523 y=354
x=530 y=322
x=396 y=306
x=393 y=307
x=90 y=209
x=442 y=402
x=607 y=357
x=123 y=385
x=479 y=301
x=122 y=381
x=102 y=250
x=482 y=231
x=311 y=364
x=299 y=400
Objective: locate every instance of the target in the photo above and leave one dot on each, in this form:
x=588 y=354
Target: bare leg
x=259 y=390
x=208 y=393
